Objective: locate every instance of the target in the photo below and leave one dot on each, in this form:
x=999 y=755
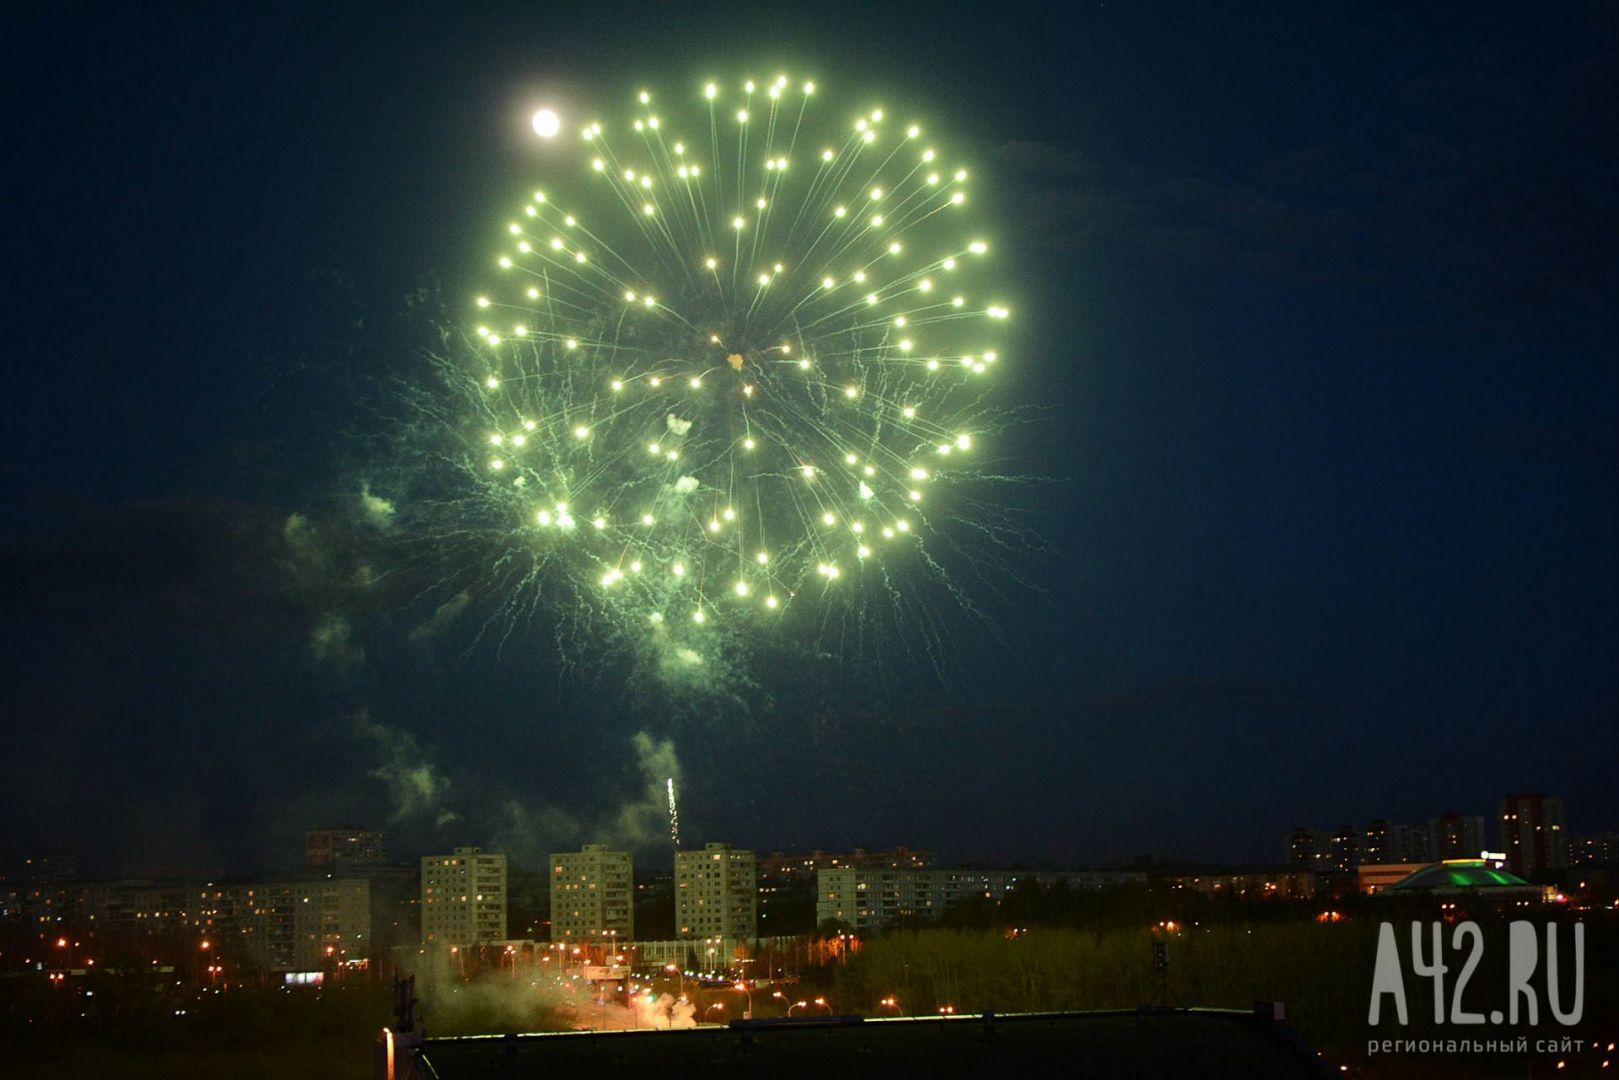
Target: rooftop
x=1148 y=1043
x=1461 y=874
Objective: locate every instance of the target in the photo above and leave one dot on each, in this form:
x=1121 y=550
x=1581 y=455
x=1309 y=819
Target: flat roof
x=1136 y=1043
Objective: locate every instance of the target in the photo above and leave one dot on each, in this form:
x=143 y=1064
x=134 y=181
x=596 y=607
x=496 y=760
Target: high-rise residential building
x=1533 y=834
x=1419 y=845
x=1309 y=849
x=297 y=925
x=1375 y=841
x=592 y=895
x=1456 y=836
x=1407 y=844
x=331 y=922
x=1597 y=849
x=47 y=885
x=344 y=847
x=1388 y=843
x=1345 y=850
x=716 y=893
x=463 y=898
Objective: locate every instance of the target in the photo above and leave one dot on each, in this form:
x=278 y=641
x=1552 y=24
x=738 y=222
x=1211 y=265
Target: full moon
x=546 y=123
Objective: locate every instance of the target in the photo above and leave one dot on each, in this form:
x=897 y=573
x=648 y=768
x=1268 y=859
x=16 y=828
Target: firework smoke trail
x=674 y=816
x=734 y=379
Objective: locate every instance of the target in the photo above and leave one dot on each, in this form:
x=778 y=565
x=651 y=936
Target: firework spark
x=735 y=362
x=674 y=816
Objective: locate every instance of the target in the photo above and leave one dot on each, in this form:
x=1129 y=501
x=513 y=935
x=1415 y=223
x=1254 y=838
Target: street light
x=743 y=986
x=890 y=1003
x=797 y=1005
x=821 y=1001
x=720 y=1005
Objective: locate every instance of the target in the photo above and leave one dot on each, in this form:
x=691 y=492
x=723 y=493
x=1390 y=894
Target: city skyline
x=339 y=915
x=1429 y=838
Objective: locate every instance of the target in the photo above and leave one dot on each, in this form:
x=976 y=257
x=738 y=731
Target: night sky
x=1321 y=303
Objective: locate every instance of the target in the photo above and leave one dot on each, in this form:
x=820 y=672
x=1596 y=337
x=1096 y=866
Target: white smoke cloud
x=664 y=1012
x=532 y=833
x=375 y=509
x=441 y=619
x=417 y=787
x=296 y=531
x=332 y=644
x=645 y=821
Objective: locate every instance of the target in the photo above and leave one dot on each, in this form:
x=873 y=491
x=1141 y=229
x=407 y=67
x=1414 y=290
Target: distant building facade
x=1596 y=849
x=1289 y=884
x=1533 y=833
x=779 y=867
x=463 y=898
x=1390 y=843
x=344 y=847
x=47 y=888
x=716 y=893
x=1345 y=850
x=1384 y=842
x=1375 y=877
x=308 y=925
x=1309 y=849
x=876 y=898
x=787 y=888
x=592 y=895
x=1455 y=836
x=277 y=926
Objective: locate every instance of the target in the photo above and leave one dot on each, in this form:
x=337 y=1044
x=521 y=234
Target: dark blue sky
x=1321 y=301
